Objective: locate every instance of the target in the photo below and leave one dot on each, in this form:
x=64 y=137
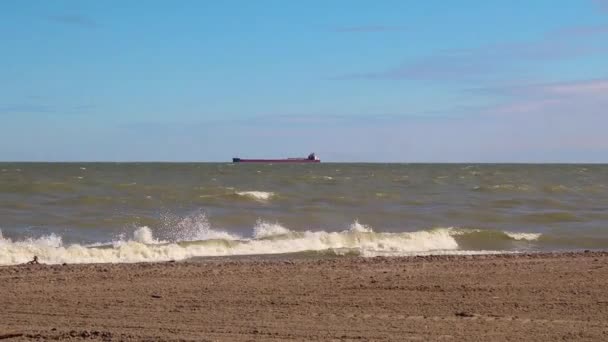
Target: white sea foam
x=512 y=235
x=193 y=236
x=357 y=227
x=256 y=195
x=524 y=236
x=371 y=254
x=194 y=227
x=265 y=229
x=267 y=239
x=327 y=178
x=144 y=235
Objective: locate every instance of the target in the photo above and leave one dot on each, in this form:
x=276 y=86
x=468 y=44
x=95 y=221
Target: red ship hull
x=288 y=160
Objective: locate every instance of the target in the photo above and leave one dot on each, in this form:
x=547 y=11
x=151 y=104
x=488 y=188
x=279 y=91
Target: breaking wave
x=256 y=195
x=494 y=234
x=265 y=229
x=193 y=237
x=524 y=236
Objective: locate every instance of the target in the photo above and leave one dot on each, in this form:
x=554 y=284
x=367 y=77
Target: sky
x=353 y=81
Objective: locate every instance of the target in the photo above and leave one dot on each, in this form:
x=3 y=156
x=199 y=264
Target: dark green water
x=370 y=209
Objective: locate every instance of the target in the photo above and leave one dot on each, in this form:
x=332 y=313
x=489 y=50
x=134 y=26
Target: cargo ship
x=312 y=158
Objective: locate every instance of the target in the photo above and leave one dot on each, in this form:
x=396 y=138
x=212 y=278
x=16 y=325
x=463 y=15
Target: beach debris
x=86 y=334
x=33 y=261
x=156 y=296
x=464 y=314
x=5 y=336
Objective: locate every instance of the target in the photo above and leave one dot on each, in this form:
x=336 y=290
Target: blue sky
x=402 y=81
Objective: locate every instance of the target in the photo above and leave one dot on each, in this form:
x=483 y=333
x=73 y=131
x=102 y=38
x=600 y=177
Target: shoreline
x=528 y=296
x=296 y=256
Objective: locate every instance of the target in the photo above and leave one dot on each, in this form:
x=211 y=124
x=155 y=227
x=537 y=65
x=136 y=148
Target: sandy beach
x=476 y=298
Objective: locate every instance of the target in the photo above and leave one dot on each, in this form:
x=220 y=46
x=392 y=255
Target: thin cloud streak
x=489 y=61
x=74 y=20
x=32 y=108
x=580 y=31
x=603 y=4
x=302 y=120
x=566 y=115
x=597 y=86
x=436 y=68
x=26 y=108
x=368 y=28
x=549 y=122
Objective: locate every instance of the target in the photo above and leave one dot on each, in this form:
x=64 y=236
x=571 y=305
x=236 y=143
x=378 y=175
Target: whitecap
x=256 y=195
x=144 y=235
x=524 y=236
x=359 y=228
x=265 y=229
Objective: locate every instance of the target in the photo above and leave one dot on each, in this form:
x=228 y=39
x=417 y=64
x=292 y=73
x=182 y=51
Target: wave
x=193 y=237
x=494 y=234
x=550 y=217
x=38 y=187
x=194 y=227
x=523 y=236
x=256 y=195
x=502 y=188
x=265 y=229
x=555 y=188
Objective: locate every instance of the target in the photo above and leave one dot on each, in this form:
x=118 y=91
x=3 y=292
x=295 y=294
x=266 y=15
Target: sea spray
x=265 y=229
x=193 y=227
x=144 y=235
x=360 y=228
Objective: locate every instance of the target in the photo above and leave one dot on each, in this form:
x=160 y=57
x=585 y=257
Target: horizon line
x=322 y=162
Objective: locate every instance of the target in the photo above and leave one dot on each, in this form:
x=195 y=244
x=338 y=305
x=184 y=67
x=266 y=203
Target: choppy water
x=117 y=212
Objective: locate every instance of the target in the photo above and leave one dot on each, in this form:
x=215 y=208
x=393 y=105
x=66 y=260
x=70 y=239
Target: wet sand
x=476 y=298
